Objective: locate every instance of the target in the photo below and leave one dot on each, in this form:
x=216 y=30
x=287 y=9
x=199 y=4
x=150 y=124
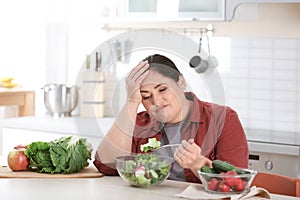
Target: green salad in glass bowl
x=144 y=169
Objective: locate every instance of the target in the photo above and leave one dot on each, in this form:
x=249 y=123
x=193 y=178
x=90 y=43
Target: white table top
x=90 y=188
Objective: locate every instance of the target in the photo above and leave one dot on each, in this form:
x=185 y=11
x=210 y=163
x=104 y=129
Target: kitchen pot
x=121 y=50
x=200 y=64
x=59 y=99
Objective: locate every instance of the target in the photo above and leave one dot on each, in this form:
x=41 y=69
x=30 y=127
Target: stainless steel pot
x=59 y=99
x=200 y=64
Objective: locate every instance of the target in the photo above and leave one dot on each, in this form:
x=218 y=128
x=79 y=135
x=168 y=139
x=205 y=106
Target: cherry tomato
x=231 y=180
x=222 y=173
x=240 y=185
x=223 y=187
x=213 y=184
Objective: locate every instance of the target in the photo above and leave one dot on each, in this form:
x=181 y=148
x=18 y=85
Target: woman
x=205 y=131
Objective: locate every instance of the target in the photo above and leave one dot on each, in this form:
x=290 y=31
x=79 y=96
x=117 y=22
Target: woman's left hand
x=188 y=155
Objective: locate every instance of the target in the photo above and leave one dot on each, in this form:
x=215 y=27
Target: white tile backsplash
x=284 y=116
x=259 y=104
x=288 y=75
x=284 y=106
x=237 y=93
x=239 y=103
x=287 y=85
x=257 y=114
x=261 y=43
x=281 y=95
x=240 y=53
x=237 y=83
x=239 y=73
x=285 y=64
x=285 y=54
x=261 y=63
x=260 y=74
x=284 y=126
x=261 y=53
x=240 y=42
x=262 y=82
x=298 y=126
x=239 y=63
x=260 y=94
x=260 y=124
x=285 y=44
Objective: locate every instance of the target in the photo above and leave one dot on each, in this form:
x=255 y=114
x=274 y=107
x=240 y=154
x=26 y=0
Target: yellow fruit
x=6 y=80
x=9 y=85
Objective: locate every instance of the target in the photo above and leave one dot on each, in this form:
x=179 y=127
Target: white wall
x=23 y=43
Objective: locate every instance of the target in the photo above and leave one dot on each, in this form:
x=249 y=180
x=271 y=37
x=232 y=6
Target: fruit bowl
x=144 y=169
x=230 y=182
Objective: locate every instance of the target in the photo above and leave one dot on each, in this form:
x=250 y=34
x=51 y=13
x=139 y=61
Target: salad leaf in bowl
x=152 y=144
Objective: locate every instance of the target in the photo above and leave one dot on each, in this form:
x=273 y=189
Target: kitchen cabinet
x=231 y=5
x=24 y=99
x=175 y=9
x=180 y=10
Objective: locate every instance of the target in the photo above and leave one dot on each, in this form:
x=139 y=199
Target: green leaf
x=63 y=155
x=142 y=180
x=151 y=145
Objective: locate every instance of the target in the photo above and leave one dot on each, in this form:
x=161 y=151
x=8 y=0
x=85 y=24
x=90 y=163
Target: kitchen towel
x=197 y=192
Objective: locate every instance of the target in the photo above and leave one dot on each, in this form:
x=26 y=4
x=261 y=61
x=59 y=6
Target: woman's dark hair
x=164 y=66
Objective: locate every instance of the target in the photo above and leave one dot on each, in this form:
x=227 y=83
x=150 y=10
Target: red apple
x=17 y=160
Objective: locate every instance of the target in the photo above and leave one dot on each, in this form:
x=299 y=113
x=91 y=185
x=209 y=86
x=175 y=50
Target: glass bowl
x=227 y=182
x=144 y=169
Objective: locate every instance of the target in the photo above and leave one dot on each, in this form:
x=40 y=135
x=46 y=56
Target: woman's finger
x=182 y=153
x=191 y=141
x=141 y=76
x=190 y=146
x=178 y=156
x=138 y=70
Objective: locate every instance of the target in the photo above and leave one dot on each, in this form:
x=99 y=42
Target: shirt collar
x=196 y=114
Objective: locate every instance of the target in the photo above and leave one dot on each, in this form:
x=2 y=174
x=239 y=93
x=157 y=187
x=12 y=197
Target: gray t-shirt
x=172 y=135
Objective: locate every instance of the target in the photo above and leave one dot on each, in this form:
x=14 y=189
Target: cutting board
x=88 y=172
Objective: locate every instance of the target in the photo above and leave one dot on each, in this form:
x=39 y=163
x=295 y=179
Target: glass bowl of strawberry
x=225 y=178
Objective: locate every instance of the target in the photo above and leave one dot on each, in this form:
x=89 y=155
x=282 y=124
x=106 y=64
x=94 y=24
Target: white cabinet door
x=175 y=9
x=202 y=9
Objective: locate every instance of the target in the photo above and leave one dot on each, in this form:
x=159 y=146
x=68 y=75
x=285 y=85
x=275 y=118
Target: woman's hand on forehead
x=134 y=80
x=138 y=70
